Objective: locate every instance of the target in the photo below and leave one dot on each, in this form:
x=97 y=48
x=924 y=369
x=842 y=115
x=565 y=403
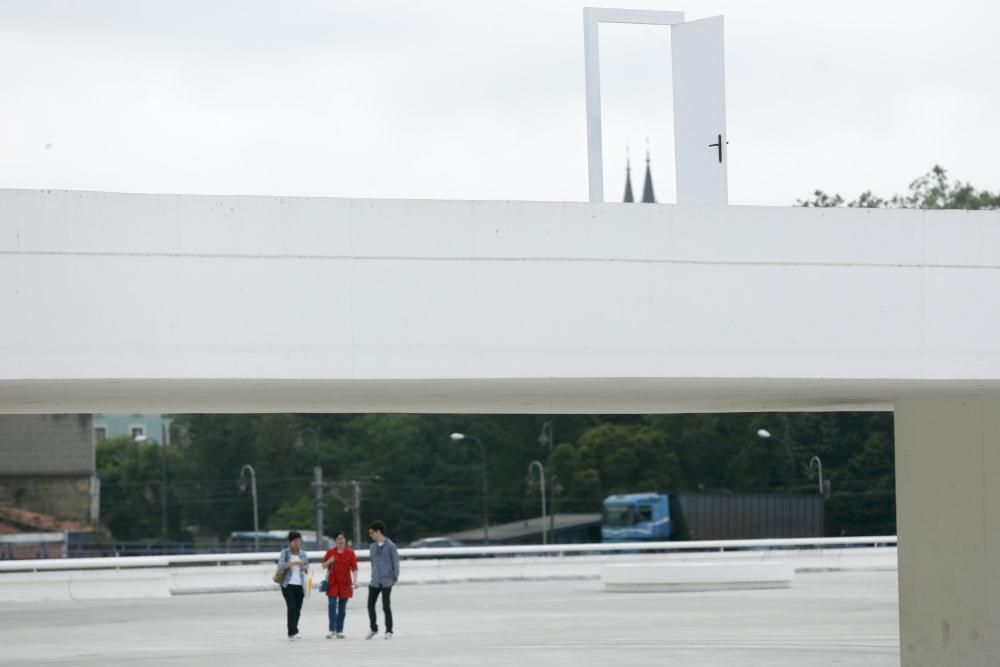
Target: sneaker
x=388 y=635
x=340 y=635
x=294 y=637
x=331 y=635
x=371 y=633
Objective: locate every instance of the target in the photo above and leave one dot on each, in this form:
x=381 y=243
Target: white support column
x=595 y=144
x=948 y=508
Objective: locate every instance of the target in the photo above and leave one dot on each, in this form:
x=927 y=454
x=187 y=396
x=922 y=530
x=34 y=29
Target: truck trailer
x=656 y=517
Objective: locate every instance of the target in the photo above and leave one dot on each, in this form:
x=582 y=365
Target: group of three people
x=341 y=565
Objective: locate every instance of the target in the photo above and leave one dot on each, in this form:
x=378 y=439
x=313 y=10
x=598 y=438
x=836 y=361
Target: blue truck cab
x=636 y=517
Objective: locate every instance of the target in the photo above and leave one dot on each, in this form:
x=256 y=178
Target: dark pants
x=373 y=593
x=293 y=601
x=336 y=609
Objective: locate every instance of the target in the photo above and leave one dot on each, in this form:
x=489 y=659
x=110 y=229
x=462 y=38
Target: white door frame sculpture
x=698 y=66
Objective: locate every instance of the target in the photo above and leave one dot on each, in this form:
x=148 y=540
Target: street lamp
x=165 y=440
x=823 y=487
x=541 y=479
x=547 y=437
x=458 y=437
x=317 y=481
x=253 y=492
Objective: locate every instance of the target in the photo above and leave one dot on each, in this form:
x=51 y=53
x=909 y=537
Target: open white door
x=700 y=111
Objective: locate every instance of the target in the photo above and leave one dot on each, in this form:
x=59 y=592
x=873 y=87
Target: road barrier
x=157 y=576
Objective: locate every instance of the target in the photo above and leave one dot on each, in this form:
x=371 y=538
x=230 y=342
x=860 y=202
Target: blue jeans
x=336 y=609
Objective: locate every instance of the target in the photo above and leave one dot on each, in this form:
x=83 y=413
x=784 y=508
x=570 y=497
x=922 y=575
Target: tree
x=933 y=190
x=130 y=474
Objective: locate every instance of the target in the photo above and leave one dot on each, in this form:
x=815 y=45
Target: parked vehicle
x=654 y=517
x=435 y=542
x=274 y=539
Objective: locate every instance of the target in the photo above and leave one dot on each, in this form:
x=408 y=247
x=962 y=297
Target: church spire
x=629 y=198
x=647 y=188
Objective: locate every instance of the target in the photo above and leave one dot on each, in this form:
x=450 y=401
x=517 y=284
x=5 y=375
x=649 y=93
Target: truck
x=656 y=517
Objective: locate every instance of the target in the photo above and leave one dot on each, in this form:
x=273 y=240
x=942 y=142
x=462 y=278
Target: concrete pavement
x=832 y=618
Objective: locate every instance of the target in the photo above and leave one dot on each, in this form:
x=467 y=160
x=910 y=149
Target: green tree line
x=420 y=480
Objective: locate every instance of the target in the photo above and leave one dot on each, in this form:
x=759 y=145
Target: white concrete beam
x=196 y=303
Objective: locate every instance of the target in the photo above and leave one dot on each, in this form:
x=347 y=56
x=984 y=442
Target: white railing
x=552 y=550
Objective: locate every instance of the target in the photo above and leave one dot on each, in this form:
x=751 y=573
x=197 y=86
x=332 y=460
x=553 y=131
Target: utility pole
x=164 y=438
x=541 y=479
x=357 y=512
x=548 y=439
x=318 y=486
x=163 y=482
x=253 y=492
x=353 y=504
x=458 y=437
x=317 y=480
x=556 y=488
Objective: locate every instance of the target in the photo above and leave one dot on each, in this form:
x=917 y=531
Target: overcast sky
x=483 y=100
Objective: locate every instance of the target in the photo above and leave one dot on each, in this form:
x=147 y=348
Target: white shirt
x=296 y=578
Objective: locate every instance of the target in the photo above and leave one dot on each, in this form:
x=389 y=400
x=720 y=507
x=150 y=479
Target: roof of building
x=533 y=526
x=19 y=520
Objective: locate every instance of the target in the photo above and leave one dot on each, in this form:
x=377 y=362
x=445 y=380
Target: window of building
x=100 y=433
x=136 y=431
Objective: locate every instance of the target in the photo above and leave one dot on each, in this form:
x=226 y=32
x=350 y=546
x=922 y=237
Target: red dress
x=339 y=575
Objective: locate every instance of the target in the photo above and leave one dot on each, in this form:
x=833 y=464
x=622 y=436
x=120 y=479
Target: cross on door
x=718 y=144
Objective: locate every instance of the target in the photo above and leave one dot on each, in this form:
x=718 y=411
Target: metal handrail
x=481 y=551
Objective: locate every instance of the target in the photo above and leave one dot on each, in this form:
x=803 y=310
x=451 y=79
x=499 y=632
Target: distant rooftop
x=517 y=529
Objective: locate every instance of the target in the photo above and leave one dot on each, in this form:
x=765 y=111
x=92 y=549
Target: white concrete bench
x=659 y=577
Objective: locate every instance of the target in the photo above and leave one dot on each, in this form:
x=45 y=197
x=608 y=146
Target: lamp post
x=253 y=492
x=164 y=441
x=819 y=467
x=541 y=478
x=317 y=482
x=458 y=437
x=547 y=438
x=823 y=488
x=764 y=434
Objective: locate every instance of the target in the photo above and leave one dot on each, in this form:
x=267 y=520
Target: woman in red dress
x=342 y=579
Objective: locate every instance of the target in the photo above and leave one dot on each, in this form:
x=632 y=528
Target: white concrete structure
x=159 y=576
x=278 y=304
x=684 y=577
x=271 y=303
x=699 y=94
x=86 y=584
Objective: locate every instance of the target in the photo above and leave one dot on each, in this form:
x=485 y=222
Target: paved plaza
x=830 y=618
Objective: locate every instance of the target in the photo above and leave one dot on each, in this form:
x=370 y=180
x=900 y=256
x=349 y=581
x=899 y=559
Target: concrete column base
x=948 y=520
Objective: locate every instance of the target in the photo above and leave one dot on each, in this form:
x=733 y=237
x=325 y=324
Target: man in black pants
x=384 y=559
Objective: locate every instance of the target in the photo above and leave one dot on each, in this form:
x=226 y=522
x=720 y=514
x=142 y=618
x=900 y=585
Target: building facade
x=48 y=464
x=116 y=425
